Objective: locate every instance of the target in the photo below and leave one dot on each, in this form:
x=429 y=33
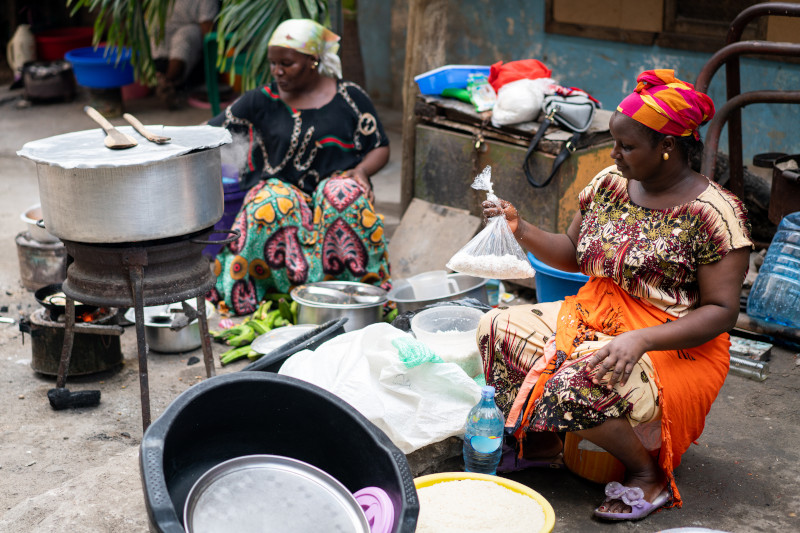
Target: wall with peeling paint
x=487 y=31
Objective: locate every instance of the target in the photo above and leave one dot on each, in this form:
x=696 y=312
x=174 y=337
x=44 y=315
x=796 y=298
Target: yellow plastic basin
x=549 y=514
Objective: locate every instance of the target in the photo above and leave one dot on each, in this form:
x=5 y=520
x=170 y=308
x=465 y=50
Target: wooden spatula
x=138 y=126
x=115 y=139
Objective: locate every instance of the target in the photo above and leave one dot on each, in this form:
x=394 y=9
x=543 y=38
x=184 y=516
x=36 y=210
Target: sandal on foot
x=634 y=497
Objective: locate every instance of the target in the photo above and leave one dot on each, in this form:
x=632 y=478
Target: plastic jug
x=21 y=49
x=776 y=291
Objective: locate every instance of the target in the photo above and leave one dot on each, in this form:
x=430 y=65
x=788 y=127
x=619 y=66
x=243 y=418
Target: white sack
x=520 y=101
x=413 y=406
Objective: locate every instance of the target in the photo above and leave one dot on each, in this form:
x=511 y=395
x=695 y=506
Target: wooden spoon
x=115 y=139
x=138 y=126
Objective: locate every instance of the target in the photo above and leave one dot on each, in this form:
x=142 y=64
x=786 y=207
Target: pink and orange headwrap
x=666 y=104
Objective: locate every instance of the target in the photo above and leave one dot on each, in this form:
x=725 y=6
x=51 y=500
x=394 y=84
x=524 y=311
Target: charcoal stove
x=134 y=224
x=97 y=340
x=138 y=275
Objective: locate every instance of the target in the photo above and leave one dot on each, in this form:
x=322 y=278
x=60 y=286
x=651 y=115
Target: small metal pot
x=157 y=332
x=402 y=294
x=320 y=302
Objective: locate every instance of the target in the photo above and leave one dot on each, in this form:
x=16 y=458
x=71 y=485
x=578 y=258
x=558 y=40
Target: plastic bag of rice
x=469 y=505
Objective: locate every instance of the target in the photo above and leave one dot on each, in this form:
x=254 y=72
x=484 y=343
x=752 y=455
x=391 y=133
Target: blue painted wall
x=486 y=31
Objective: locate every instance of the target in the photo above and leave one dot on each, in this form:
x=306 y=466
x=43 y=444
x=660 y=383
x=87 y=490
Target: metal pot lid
x=271 y=493
x=274 y=339
x=85 y=149
x=344 y=294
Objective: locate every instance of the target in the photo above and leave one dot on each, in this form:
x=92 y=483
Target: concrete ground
x=77 y=470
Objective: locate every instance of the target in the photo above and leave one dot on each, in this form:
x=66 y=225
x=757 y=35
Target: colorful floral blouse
x=654 y=253
x=302 y=146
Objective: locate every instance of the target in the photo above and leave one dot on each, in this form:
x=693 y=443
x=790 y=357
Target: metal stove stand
x=138 y=275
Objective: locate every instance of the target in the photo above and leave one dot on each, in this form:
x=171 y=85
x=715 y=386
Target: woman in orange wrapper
x=634 y=361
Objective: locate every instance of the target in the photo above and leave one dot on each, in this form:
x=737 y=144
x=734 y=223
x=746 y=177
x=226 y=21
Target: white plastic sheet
x=413 y=406
x=85 y=149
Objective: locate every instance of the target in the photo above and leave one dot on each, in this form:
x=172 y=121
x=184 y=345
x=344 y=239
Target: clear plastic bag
x=494 y=252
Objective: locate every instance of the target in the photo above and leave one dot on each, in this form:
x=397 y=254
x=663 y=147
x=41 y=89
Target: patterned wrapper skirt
x=515 y=339
x=289 y=238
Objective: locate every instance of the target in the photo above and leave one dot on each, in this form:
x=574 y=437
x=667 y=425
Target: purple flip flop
x=633 y=496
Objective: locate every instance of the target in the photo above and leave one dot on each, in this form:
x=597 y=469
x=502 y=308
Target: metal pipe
x=759 y=10
x=717 y=123
x=734 y=50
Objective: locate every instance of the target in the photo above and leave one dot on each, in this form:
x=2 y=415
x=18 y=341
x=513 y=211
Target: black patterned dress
x=301 y=222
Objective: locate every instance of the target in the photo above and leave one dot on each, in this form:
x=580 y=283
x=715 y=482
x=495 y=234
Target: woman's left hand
x=360 y=176
x=618 y=357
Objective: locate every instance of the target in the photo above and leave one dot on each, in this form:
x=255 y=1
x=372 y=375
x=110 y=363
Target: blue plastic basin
x=94 y=70
x=552 y=284
x=447 y=77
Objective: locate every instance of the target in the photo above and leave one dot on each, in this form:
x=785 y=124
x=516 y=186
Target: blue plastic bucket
x=94 y=70
x=552 y=284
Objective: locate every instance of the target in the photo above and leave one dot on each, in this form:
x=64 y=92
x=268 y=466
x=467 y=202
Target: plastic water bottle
x=483 y=439
x=775 y=294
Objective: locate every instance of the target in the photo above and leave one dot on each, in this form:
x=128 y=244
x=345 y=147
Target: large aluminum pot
x=402 y=294
x=91 y=194
x=320 y=302
x=133 y=203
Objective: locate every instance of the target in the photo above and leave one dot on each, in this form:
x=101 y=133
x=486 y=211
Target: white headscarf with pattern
x=311 y=38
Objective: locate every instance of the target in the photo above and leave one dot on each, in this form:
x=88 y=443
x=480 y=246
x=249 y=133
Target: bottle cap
x=487 y=390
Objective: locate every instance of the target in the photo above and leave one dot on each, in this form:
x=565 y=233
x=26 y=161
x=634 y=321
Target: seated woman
x=634 y=361
x=313 y=141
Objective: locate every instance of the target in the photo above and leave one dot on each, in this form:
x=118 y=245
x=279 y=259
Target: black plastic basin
x=247 y=413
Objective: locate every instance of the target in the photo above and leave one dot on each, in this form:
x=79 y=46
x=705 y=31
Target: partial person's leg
x=617 y=437
x=348 y=235
x=512 y=341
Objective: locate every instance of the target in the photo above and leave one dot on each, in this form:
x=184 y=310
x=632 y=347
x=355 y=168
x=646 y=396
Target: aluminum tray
x=271 y=493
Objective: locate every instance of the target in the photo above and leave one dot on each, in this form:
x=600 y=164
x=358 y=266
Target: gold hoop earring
x=665 y=156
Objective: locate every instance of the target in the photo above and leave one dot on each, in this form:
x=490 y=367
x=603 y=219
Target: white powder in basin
x=469 y=505
x=459 y=347
x=491 y=266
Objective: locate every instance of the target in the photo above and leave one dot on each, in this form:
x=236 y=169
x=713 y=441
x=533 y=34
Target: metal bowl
x=468 y=287
x=31 y=217
x=157 y=332
x=320 y=302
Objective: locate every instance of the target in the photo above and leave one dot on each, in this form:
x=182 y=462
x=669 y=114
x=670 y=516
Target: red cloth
x=532 y=69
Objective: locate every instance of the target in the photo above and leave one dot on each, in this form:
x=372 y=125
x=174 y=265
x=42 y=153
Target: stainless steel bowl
x=160 y=338
x=468 y=287
x=31 y=217
x=320 y=302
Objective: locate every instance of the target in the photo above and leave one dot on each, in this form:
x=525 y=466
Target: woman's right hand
x=491 y=209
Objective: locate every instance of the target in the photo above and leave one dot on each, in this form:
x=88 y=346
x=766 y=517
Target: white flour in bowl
x=471 y=505
x=491 y=266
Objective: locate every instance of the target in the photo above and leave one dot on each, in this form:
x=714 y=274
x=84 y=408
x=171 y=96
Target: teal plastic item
x=552 y=284
x=414 y=353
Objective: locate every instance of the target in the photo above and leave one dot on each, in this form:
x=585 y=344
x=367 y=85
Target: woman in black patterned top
x=313 y=141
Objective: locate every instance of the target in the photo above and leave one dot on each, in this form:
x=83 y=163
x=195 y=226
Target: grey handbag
x=572 y=110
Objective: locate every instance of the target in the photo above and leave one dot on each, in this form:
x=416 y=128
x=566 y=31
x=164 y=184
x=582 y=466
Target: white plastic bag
x=520 y=101
x=494 y=252
x=414 y=406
